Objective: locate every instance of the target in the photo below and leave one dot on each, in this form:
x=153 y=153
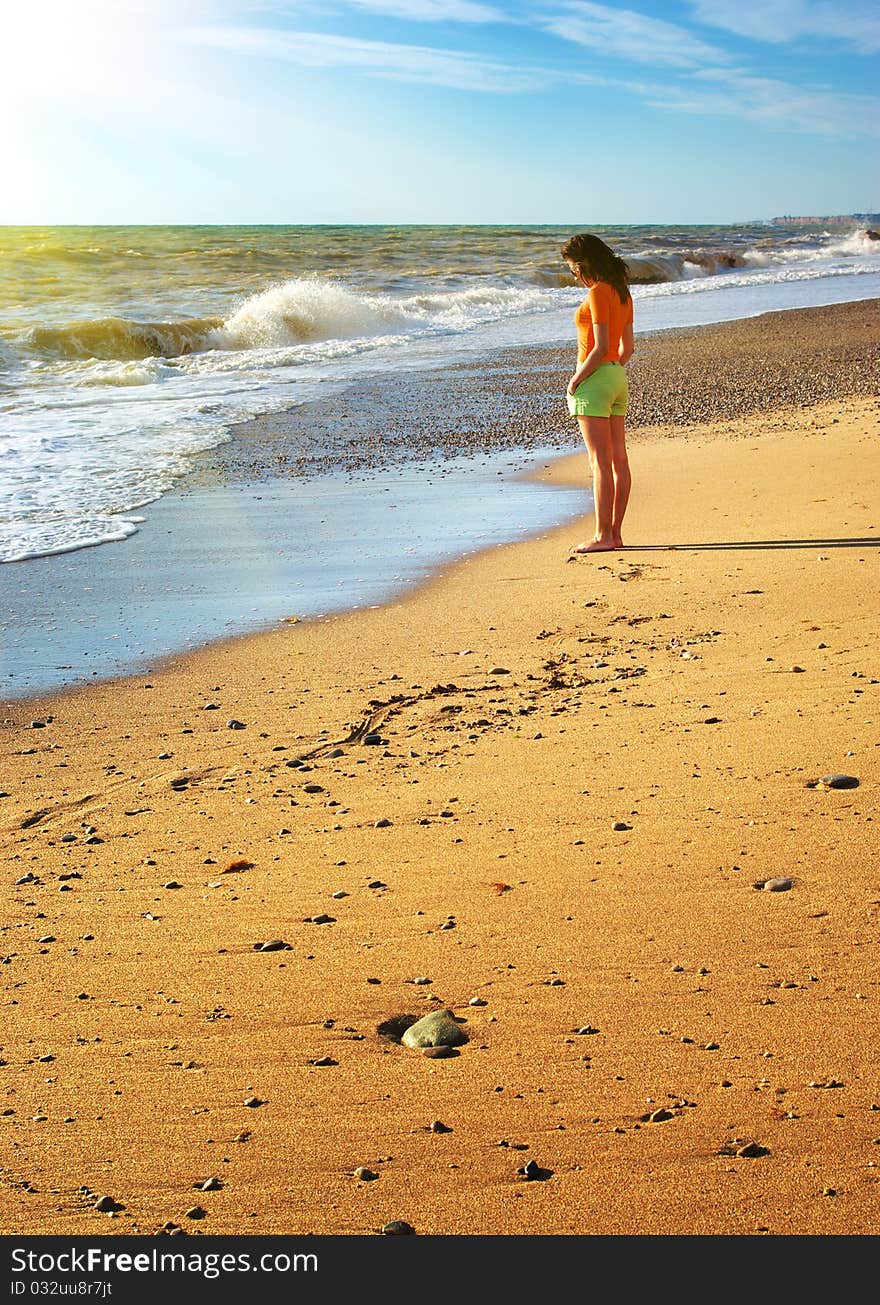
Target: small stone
x=364 y=1175
x=587 y=1028
x=398 y=1228
x=172 y=883
x=659 y=1116
x=531 y=1170
x=711 y=1046
x=838 y=781
x=797 y=670
x=253 y=1102
x=323 y=1061
x=437 y=1126
x=384 y=823
x=478 y=1001
x=750 y=1150
x=323 y=918
x=442 y=1052
x=313 y=788
x=499 y=670
x=211 y=1185
x=196 y=1212
x=619 y=826
x=712 y=720
x=372 y=740
x=780 y=885
x=274 y=945
x=236 y=725
x=338 y=896
x=105 y=1204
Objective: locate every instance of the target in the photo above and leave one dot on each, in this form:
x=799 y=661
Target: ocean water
x=124 y=351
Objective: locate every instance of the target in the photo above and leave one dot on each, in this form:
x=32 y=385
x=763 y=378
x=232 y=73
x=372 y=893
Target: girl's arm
x=627 y=344
x=593 y=358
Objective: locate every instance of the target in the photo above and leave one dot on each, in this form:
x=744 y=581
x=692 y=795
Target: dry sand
x=690 y=688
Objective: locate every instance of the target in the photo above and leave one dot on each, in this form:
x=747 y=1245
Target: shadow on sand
x=754 y=543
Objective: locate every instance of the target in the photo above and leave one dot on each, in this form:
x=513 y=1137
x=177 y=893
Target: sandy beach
x=543 y=793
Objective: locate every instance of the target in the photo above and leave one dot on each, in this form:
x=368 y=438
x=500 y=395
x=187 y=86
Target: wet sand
x=585 y=771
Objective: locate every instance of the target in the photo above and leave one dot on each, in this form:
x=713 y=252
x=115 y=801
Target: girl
x=597 y=392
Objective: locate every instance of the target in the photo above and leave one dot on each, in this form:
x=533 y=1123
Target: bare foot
x=618 y=542
x=597 y=546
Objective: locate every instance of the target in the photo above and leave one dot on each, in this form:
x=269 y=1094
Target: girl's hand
x=573 y=384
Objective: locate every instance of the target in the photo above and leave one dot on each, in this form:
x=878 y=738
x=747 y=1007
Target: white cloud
x=433 y=11
x=736 y=93
x=625 y=34
x=450 y=68
x=856 y=23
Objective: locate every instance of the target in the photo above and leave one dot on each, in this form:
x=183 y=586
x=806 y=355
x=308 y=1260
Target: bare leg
x=622 y=477
x=597 y=437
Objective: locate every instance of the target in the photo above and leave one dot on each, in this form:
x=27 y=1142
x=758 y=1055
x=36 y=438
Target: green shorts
x=603 y=394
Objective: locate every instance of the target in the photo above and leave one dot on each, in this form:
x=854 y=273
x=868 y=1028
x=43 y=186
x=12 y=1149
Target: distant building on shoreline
x=839 y=220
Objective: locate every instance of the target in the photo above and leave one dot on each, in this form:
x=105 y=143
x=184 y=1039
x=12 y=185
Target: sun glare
x=82 y=54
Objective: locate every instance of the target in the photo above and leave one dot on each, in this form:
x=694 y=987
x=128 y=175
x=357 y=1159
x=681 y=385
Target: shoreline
x=107 y=587
x=584 y=770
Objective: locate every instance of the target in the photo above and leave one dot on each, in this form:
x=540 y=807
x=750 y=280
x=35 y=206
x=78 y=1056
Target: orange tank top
x=602 y=305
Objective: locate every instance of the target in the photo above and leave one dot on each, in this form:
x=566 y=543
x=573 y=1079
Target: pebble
x=438 y=1053
x=780 y=885
x=172 y=883
x=253 y=1102
x=797 y=670
x=750 y=1150
x=384 y=823
x=499 y=670
x=323 y=1061
x=619 y=826
x=372 y=740
x=421 y=981
x=323 y=918
x=437 y=1126
x=478 y=1001
x=659 y=1116
x=339 y=895
x=839 y=781
x=236 y=725
x=530 y=1171
x=273 y=945
x=211 y=1185
x=105 y=1204
x=365 y=1175
x=196 y=1212
x=398 y=1228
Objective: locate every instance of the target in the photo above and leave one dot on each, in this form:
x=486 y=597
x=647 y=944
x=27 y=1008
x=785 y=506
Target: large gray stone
x=439 y=1029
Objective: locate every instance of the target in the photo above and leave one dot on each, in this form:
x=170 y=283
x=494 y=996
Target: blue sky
x=552 y=111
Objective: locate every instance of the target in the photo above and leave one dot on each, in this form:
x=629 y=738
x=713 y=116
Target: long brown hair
x=597 y=262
